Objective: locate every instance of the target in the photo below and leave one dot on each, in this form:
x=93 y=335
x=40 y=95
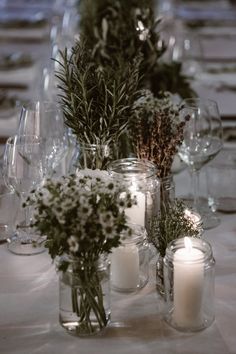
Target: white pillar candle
x=136 y=214
x=125 y=267
x=188 y=286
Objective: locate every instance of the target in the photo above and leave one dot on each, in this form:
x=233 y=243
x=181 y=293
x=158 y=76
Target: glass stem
x=26 y=222
x=195 y=187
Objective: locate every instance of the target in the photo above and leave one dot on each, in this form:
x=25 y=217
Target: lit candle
x=125 y=267
x=188 y=285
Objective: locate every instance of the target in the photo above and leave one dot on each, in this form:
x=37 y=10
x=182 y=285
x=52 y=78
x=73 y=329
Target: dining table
x=29 y=307
x=29 y=285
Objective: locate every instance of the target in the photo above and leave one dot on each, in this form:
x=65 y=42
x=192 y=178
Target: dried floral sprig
x=157 y=130
x=97 y=103
x=173 y=224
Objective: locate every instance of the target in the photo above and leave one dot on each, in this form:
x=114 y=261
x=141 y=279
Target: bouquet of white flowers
x=82 y=217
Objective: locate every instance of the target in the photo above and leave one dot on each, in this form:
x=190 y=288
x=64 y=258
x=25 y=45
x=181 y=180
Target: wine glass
x=45 y=119
x=23 y=170
x=202 y=142
x=186 y=48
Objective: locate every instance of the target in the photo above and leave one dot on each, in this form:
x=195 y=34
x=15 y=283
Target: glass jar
x=140 y=177
x=167 y=192
x=90 y=156
x=189 y=284
x=84 y=297
x=130 y=262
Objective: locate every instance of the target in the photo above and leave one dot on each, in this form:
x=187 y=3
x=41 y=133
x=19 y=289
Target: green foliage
x=172 y=224
x=125 y=28
x=168 y=77
x=96 y=102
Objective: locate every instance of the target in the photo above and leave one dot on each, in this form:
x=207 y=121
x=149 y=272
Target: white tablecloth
x=29 y=309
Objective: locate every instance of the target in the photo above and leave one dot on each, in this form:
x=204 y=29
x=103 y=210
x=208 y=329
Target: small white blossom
x=73 y=244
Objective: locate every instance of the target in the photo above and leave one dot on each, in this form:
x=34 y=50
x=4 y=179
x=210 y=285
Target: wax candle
x=136 y=214
x=188 y=285
x=125 y=267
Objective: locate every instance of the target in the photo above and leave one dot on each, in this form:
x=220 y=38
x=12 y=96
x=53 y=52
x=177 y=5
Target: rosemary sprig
x=97 y=103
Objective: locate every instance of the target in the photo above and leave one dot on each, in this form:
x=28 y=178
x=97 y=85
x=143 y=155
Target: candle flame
x=188 y=244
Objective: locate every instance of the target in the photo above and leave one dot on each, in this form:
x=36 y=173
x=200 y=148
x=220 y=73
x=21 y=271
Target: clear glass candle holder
x=130 y=262
x=189 y=284
x=140 y=177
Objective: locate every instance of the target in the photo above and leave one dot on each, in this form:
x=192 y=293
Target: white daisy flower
x=73 y=244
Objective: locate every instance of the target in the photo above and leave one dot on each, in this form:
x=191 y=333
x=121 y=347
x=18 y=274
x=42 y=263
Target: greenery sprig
x=174 y=223
x=97 y=103
x=123 y=29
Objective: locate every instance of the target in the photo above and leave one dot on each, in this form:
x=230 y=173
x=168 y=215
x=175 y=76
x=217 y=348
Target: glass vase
x=84 y=297
x=90 y=156
x=160 y=275
x=167 y=192
x=166 y=196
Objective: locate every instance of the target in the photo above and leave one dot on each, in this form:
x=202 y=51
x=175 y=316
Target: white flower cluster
x=82 y=212
x=146 y=105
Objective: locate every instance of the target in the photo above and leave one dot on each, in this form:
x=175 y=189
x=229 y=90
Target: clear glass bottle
x=140 y=177
x=130 y=262
x=189 y=284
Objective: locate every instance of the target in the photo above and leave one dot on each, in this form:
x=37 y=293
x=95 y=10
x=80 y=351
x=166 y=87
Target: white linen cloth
x=21 y=76
x=25 y=34
x=29 y=309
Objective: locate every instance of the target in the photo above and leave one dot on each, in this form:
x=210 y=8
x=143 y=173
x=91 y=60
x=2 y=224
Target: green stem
x=87 y=299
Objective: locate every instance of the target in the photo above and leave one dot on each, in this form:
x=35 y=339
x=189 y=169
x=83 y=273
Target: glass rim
x=132 y=166
x=198 y=243
x=11 y=139
x=204 y=101
x=31 y=105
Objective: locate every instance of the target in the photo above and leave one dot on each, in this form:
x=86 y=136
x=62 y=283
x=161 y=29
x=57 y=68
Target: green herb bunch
x=116 y=29
x=174 y=223
x=157 y=130
x=97 y=103
x=120 y=30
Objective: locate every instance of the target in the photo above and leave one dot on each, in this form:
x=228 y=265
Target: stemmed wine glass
x=45 y=119
x=23 y=170
x=202 y=142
